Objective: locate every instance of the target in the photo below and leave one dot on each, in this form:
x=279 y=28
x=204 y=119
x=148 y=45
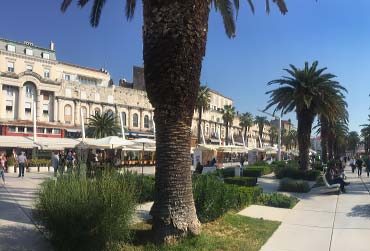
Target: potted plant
x=11 y=164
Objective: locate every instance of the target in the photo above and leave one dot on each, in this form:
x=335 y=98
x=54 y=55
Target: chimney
x=51 y=45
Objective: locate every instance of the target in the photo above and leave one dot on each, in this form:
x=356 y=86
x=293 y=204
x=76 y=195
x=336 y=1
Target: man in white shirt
x=22 y=160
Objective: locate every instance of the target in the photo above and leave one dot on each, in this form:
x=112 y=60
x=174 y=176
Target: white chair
x=333 y=186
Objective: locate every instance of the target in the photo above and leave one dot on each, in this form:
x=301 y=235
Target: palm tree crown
x=308 y=91
x=101 y=126
x=228 y=114
x=246 y=121
x=261 y=121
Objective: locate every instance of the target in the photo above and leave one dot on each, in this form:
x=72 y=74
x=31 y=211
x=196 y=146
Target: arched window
x=135 y=120
x=123 y=114
x=206 y=130
x=68 y=114
x=84 y=113
x=96 y=111
x=146 y=121
x=110 y=113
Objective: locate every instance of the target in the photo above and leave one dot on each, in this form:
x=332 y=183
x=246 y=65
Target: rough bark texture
x=330 y=145
x=305 y=120
x=227 y=133
x=199 y=124
x=174 y=34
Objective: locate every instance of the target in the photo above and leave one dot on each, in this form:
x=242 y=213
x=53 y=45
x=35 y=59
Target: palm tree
x=365 y=135
x=246 y=121
x=103 y=125
x=261 y=121
x=353 y=139
x=174 y=44
x=228 y=114
x=310 y=92
x=202 y=104
x=273 y=131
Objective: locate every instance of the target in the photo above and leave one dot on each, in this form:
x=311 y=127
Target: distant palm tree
x=174 y=44
x=365 y=135
x=228 y=114
x=310 y=92
x=353 y=139
x=261 y=121
x=103 y=125
x=273 y=133
x=246 y=121
x=202 y=104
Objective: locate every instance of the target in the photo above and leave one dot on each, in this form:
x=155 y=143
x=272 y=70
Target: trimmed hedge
x=291 y=185
x=291 y=172
x=241 y=181
x=39 y=162
x=277 y=200
x=225 y=172
x=213 y=198
x=256 y=171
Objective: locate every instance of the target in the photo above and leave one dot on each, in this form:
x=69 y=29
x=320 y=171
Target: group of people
x=21 y=159
x=359 y=163
x=335 y=175
x=59 y=160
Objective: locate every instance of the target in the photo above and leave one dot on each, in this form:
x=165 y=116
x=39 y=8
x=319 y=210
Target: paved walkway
x=324 y=221
x=17 y=231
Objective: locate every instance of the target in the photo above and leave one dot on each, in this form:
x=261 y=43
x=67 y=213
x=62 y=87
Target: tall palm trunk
x=260 y=133
x=199 y=124
x=245 y=136
x=324 y=139
x=174 y=42
x=330 y=145
x=305 y=120
x=227 y=133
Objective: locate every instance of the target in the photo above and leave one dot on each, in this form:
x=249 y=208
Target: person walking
x=367 y=163
x=69 y=160
x=22 y=161
x=2 y=166
x=359 y=163
x=55 y=162
x=352 y=164
x=62 y=162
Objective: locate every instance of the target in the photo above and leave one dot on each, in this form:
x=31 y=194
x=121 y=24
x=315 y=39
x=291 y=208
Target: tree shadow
x=360 y=211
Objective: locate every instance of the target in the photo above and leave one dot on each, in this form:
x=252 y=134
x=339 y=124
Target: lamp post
x=279 y=134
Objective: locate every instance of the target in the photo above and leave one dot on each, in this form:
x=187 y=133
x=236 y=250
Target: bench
x=333 y=186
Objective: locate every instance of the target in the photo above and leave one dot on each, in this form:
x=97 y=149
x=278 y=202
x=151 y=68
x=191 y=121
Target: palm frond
x=82 y=3
x=227 y=12
x=130 y=9
x=96 y=12
x=65 y=5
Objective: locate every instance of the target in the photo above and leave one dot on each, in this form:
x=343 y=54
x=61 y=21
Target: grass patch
x=229 y=233
x=277 y=200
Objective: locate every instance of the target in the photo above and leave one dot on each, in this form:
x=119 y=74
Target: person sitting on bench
x=332 y=178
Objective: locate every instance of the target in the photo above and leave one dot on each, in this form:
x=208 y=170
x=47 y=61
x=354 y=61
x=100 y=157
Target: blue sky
x=336 y=33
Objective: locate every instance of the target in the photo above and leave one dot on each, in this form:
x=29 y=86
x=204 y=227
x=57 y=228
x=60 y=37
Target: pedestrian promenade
x=324 y=221
x=17 y=230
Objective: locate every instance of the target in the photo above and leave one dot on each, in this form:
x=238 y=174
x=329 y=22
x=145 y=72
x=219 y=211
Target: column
x=2 y=104
x=20 y=103
x=60 y=111
x=128 y=117
x=55 y=108
x=39 y=99
x=77 y=107
x=141 y=120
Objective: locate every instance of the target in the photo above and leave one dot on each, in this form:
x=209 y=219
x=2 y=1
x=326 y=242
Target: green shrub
x=295 y=173
x=87 y=214
x=293 y=164
x=277 y=200
x=260 y=163
x=291 y=185
x=241 y=181
x=317 y=166
x=11 y=161
x=213 y=198
x=225 y=172
x=146 y=188
x=256 y=171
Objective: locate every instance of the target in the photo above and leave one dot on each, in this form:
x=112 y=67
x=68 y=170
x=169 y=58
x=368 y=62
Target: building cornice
x=27 y=73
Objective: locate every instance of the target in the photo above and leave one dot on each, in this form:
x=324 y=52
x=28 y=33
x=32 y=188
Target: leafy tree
x=174 y=44
x=261 y=121
x=102 y=125
x=310 y=92
x=228 y=114
x=246 y=121
x=202 y=104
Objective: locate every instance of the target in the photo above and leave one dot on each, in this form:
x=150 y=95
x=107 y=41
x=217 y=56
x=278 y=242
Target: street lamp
x=279 y=137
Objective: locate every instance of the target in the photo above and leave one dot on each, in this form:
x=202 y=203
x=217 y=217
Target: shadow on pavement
x=360 y=211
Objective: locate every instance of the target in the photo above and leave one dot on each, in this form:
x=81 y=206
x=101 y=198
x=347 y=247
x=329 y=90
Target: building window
x=68 y=114
x=45 y=55
x=46 y=73
x=10 y=67
x=206 y=130
x=110 y=113
x=29 y=91
x=27 y=107
x=12 y=129
x=97 y=111
x=45 y=96
x=146 y=121
x=29 y=52
x=56 y=131
x=49 y=130
x=9 y=91
x=45 y=109
x=9 y=105
x=123 y=114
x=67 y=77
x=10 y=47
x=86 y=80
x=84 y=113
x=40 y=130
x=29 y=68
x=29 y=129
x=21 y=129
x=135 y=120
